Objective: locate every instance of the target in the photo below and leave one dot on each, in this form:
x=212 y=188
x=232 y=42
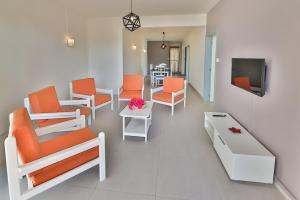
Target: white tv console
x=243 y=157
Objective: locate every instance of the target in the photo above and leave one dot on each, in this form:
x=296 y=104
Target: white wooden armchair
x=46 y=164
x=172 y=93
x=86 y=89
x=133 y=87
x=45 y=108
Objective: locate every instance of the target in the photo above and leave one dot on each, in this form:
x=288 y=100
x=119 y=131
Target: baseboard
x=283 y=190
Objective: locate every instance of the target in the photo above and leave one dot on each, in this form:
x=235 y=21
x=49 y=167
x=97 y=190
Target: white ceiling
x=174 y=34
x=117 y=8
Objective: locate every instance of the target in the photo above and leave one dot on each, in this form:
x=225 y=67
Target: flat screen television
x=249 y=74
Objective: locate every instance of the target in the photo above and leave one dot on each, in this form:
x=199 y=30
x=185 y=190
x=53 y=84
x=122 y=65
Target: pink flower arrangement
x=136 y=102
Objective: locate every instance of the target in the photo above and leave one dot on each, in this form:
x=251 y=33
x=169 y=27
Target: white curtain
x=174 y=59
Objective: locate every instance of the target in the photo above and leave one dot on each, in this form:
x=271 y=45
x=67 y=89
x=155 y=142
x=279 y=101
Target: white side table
x=140 y=121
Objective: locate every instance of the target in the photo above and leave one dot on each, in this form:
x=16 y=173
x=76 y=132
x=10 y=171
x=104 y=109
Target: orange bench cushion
x=60 y=143
x=129 y=94
x=85 y=86
x=173 y=84
x=83 y=111
x=133 y=82
x=166 y=97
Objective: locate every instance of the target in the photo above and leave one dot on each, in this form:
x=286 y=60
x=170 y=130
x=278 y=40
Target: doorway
x=210 y=67
x=186 y=63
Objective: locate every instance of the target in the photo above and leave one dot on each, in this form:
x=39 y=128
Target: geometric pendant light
x=163 y=44
x=131 y=21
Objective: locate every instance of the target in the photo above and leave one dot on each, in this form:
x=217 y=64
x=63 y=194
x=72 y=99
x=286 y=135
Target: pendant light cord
x=131 y=6
x=67 y=20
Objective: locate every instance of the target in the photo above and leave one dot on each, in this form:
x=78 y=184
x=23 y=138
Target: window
x=174 y=59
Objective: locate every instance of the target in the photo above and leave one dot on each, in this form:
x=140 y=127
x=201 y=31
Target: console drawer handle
x=221 y=140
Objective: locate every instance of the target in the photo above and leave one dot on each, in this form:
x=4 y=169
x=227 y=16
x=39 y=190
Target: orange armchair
x=47 y=110
x=172 y=93
x=46 y=164
x=133 y=87
x=86 y=89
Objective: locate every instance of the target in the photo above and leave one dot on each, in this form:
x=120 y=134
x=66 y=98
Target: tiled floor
x=177 y=163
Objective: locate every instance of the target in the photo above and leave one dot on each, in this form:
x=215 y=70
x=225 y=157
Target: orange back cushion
x=44 y=101
x=85 y=86
x=242 y=82
x=173 y=84
x=133 y=82
x=27 y=141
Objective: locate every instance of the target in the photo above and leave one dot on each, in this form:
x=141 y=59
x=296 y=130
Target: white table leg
x=123 y=128
x=146 y=129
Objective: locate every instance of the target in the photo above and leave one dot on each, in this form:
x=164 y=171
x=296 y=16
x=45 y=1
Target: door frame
x=187 y=53
x=209 y=67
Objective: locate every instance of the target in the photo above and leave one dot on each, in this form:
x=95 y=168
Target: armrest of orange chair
x=86 y=102
x=58 y=115
x=104 y=91
x=78 y=122
x=175 y=94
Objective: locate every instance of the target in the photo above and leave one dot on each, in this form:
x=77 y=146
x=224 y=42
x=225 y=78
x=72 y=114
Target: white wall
x=33 y=54
x=196 y=40
x=106 y=45
x=250 y=29
x=106 y=51
x=134 y=61
x=174 y=20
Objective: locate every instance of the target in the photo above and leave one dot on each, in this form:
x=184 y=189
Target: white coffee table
x=140 y=121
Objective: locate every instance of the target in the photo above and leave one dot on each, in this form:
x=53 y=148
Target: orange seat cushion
x=133 y=82
x=83 y=111
x=173 y=84
x=242 y=82
x=166 y=97
x=85 y=86
x=102 y=98
x=129 y=94
x=60 y=143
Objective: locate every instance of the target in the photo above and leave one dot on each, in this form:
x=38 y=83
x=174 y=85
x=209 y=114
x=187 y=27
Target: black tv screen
x=249 y=74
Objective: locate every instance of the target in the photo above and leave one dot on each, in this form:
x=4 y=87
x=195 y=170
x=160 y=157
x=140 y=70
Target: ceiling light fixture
x=131 y=21
x=68 y=38
x=163 y=45
x=133 y=47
